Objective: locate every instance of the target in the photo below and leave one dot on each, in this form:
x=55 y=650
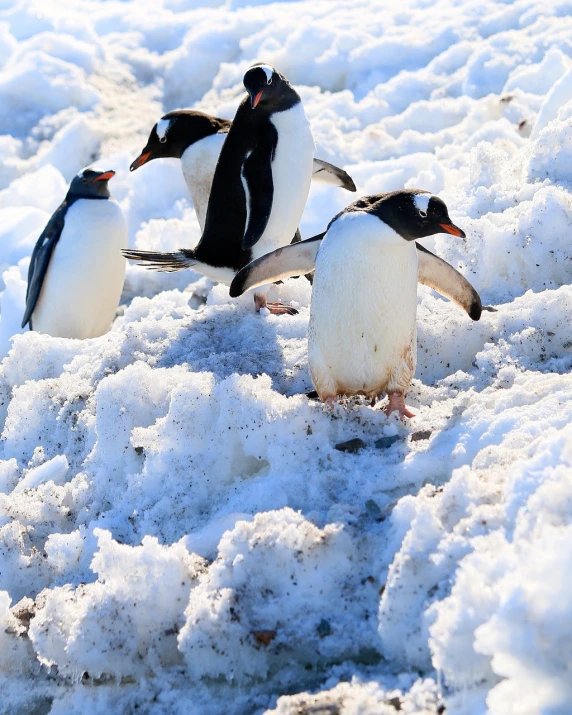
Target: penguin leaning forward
x=77 y=271
x=259 y=189
x=362 y=335
x=196 y=139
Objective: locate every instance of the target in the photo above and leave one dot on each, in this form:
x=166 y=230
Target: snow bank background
x=178 y=532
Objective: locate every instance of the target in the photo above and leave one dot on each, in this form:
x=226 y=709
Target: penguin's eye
x=269 y=80
x=84 y=179
x=423 y=214
x=163 y=140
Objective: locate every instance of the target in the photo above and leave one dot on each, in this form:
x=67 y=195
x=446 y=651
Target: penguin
x=362 y=331
x=259 y=189
x=196 y=139
x=77 y=271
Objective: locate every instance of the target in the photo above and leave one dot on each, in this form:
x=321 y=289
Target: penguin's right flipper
x=327 y=173
x=442 y=277
x=40 y=259
x=157 y=261
x=259 y=187
x=291 y=260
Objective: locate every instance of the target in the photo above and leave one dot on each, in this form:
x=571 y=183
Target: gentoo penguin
x=76 y=271
x=259 y=188
x=362 y=333
x=196 y=139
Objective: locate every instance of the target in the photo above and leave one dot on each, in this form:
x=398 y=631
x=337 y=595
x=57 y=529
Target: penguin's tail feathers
x=157 y=261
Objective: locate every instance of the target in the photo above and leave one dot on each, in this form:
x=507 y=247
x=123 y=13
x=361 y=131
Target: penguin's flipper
x=167 y=262
x=292 y=260
x=442 y=277
x=40 y=259
x=259 y=187
x=334 y=176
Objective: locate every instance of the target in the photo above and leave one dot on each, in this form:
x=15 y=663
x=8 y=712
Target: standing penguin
x=259 y=189
x=362 y=333
x=77 y=271
x=196 y=139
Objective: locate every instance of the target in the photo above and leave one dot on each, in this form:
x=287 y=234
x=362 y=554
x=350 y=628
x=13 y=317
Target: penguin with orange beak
x=259 y=189
x=77 y=271
x=196 y=139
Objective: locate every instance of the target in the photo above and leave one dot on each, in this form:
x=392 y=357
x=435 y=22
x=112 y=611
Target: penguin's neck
x=72 y=198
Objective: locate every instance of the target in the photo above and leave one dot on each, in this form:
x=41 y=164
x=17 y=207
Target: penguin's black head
x=91 y=184
x=175 y=132
x=268 y=89
x=412 y=213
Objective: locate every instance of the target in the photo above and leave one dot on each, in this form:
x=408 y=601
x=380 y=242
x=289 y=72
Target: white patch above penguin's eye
x=163 y=126
x=268 y=71
x=421 y=202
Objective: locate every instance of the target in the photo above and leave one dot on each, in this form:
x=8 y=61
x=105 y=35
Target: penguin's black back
x=225 y=224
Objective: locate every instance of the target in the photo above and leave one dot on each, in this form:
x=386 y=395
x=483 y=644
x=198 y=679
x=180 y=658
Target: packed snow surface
x=178 y=532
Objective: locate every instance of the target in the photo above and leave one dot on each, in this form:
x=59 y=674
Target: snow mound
x=245 y=622
x=132 y=612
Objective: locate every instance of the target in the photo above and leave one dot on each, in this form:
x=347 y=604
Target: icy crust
x=365 y=698
x=179 y=532
x=505 y=618
x=287 y=595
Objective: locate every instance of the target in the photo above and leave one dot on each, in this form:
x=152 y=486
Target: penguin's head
x=268 y=89
x=411 y=213
x=91 y=183
x=175 y=132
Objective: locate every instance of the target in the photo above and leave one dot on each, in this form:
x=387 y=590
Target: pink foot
x=397 y=402
x=330 y=401
x=281 y=309
x=274 y=308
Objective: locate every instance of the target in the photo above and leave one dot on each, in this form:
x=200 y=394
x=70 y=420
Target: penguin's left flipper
x=327 y=173
x=40 y=259
x=257 y=174
x=442 y=277
x=291 y=260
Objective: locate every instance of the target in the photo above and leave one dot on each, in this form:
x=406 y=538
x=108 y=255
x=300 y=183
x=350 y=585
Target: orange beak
x=142 y=159
x=453 y=230
x=104 y=177
x=256 y=99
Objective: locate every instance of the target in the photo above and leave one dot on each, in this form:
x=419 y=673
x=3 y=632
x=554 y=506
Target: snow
x=178 y=532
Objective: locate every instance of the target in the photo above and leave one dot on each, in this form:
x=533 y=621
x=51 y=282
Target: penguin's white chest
x=199 y=163
x=292 y=168
x=83 y=283
x=362 y=334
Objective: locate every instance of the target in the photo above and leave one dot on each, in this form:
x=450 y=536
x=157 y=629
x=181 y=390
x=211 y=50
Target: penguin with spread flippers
x=76 y=270
x=362 y=332
x=196 y=139
x=259 y=189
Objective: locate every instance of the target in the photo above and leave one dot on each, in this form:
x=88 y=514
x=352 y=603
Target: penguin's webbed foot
x=281 y=309
x=397 y=402
x=274 y=308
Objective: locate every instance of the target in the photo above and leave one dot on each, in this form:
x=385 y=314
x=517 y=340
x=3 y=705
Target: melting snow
x=178 y=532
